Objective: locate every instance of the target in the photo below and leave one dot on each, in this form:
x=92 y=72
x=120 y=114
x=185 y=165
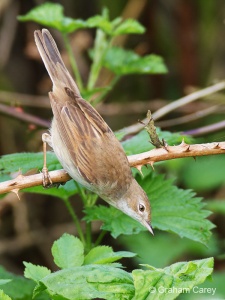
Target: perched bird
x=84 y=144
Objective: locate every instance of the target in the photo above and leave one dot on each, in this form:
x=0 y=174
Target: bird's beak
x=149 y=227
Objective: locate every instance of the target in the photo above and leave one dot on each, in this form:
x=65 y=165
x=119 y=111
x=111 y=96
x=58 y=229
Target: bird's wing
x=92 y=146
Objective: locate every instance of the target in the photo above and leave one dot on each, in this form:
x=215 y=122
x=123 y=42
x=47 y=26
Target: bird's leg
x=46 y=180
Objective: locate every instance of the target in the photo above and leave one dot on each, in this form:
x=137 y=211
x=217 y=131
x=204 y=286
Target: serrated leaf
x=3 y=296
x=68 y=251
x=51 y=14
x=168 y=283
x=11 y=164
x=177 y=210
x=129 y=26
x=34 y=272
x=124 y=62
x=105 y=255
x=113 y=220
x=90 y=282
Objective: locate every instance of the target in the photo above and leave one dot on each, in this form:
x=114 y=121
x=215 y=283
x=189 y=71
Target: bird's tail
x=53 y=60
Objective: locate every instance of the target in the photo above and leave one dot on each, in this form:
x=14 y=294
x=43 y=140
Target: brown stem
x=28 y=118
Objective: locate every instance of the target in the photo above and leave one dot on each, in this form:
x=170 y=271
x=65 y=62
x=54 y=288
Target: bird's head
x=135 y=203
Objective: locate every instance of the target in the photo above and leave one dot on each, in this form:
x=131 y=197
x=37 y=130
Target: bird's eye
x=141 y=208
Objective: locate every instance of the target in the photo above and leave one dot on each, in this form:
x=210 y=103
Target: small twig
x=137 y=160
x=13 y=112
x=188 y=118
x=174 y=105
x=187 y=99
x=17 y=99
x=206 y=129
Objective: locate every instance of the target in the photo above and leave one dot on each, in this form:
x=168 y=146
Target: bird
x=84 y=144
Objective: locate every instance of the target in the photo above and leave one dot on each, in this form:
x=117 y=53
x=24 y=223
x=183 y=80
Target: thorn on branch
x=217 y=146
x=138 y=167
x=16 y=191
x=151 y=164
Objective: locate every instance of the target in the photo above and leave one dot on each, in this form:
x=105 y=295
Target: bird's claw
x=46 y=179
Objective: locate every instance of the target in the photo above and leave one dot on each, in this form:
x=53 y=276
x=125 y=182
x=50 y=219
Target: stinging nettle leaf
x=113 y=220
x=168 y=283
x=90 y=282
x=177 y=210
x=68 y=251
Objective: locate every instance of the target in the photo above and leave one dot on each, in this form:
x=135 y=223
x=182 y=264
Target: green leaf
x=101 y=22
x=62 y=191
x=123 y=62
x=214 y=289
x=34 y=272
x=12 y=164
x=105 y=255
x=68 y=251
x=18 y=288
x=51 y=14
x=113 y=220
x=216 y=206
x=176 y=210
x=88 y=94
x=3 y=296
x=90 y=282
x=129 y=26
x=171 y=281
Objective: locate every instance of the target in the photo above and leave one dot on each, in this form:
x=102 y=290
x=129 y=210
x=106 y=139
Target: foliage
x=96 y=275
x=118 y=60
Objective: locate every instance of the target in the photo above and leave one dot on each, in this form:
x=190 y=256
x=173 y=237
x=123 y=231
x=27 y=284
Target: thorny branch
x=136 y=161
